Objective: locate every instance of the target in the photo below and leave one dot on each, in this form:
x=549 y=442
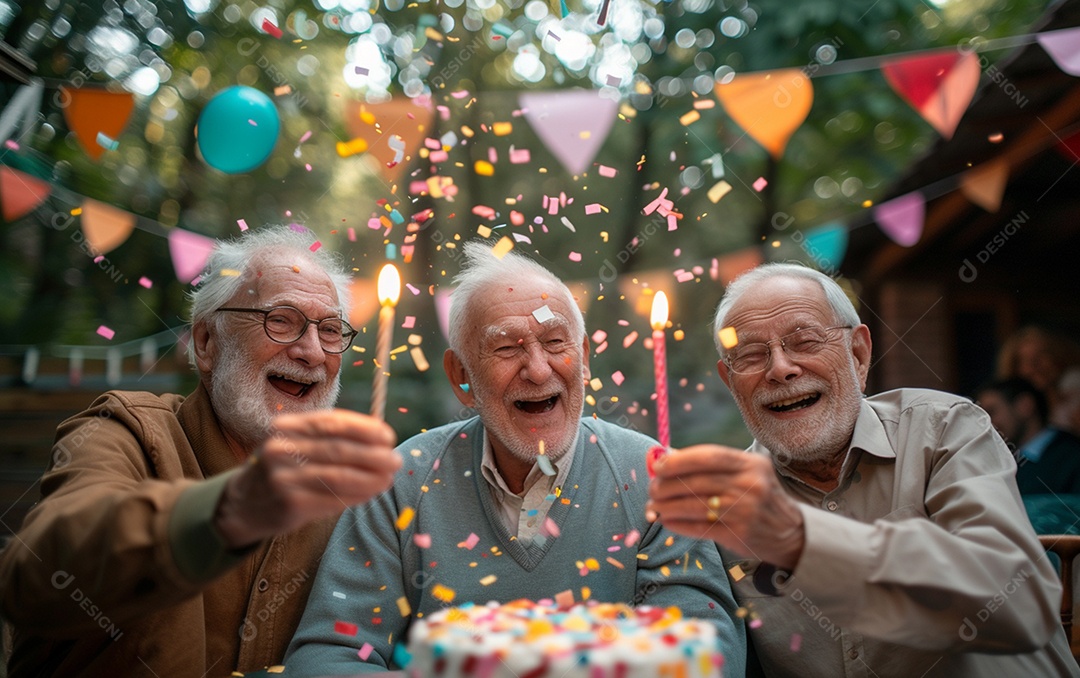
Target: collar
x=491 y=474
x=203 y=430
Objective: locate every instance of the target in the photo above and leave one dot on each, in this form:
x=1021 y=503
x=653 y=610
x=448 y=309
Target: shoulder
x=906 y=402
x=129 y=408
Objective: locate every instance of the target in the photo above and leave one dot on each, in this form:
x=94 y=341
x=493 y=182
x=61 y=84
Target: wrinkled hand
x=731 y=497
x=313 y=465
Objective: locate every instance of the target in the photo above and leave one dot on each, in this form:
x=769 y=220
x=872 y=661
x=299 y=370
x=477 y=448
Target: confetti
x=632 y=538
x=242 y=224
x=409 y=322
x=106 y=332
x=502 y=247
x=146 y=282
x=613 y=80
x=719 y=190
x=545 y=465
x=422 y=540
x=443 y=593
x=519 y=156
x=796 y=642
x=471 y=541
x=617 y=377
x=405 y=517
x=419 y=359
x=728 y=338
x=403 y=606
x=736 y=572
x=282 y=91
x=365 y=651
x=543 y=314
x=550 y=528
x=107 y=143
x=566 y=222
x=608 y=172
x=484 y=168
x=615 y=563
x=688 y=118
x=488 y=580
x=339 y=594
x=574 y=256
x=360 y=70
x=347 y=148
x=593 y=208
x=315 y=246
x=501 y=129
x=271 y=28
x=345 y=628
x=760 y=183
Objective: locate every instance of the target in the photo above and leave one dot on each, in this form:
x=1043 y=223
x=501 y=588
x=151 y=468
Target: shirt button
x=263 y=585
x=853 y=653
x=832 y=505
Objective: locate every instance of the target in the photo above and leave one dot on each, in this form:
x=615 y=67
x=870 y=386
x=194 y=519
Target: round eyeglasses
x=802 y=343
x=286 y=325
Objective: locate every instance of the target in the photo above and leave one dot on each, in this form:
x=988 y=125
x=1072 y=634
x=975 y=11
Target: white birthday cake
x=523 y=639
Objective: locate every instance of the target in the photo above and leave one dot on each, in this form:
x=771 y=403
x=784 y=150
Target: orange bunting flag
x=985 y=184
x=768 y=106
x=105 y=227
x=939 y=86
x=20 y=193
x=391 y=132
x=90 y=112
x=731 y=266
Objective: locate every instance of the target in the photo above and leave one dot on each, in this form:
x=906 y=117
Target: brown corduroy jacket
x=117 y=571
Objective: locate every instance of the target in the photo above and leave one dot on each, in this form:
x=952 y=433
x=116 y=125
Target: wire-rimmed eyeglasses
x=286 y=325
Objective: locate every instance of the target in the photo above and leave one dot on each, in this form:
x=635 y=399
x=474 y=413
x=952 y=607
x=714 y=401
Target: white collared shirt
x=524 y=515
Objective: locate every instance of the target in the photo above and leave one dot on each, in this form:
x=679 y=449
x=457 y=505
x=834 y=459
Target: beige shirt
x=921 y=562
x=524 y=515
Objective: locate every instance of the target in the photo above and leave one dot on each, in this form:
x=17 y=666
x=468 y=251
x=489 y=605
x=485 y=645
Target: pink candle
x=658 y=320
x=389 y=289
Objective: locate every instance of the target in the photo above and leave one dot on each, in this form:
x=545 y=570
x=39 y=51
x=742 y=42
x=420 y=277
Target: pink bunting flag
x=902 y=218
x=573 y=125
x=20 y=193
x=938 y=85
x=189 y=251
x=1063 y=47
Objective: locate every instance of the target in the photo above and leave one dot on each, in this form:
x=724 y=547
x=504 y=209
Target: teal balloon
x=238 y=129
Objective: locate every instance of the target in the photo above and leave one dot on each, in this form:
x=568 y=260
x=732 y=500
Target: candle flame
x=658 y=319
x=389 y=285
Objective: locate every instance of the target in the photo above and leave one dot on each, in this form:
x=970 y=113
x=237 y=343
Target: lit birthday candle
x=658 y=320
x=389 y=290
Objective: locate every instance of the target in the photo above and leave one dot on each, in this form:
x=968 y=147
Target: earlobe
x=459 y=378
x=586 y=372
x=722 y=370
x=204 y=345
x=861 y=349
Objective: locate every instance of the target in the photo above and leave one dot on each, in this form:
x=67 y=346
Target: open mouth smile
x=792 y=404
x=291 y=387
x=537 y=406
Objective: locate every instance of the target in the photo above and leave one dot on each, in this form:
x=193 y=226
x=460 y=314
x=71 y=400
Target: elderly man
x=527 y=501
x=879 y=536
x=179 y=536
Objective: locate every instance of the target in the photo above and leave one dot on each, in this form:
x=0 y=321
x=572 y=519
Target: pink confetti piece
x=305 y=137
x=796 y=642
x=613 y=549
x=755 y=623
x=493 y=155
x=10 y=143
x=574 y=256
x=432 y=144
x=608 y=172
x=422 y=540
x=484 y=211
x=519 y=156
x=409 y=322
x=315 y=246
x=554 y=36
x=617 y=377
x=352 y=234
x=271 y=28
x=252 y=123
x=106 y=332
x=99 y=258
x=632 y=537
x=146 y=282
x=521 y=237
x=365 y=651
x=550 y=528
x=593 y=208
x=613 y=81
x=630 y=339
x=438 y=156
x=412 y=288
x=598 y=336
x=684 y=276
x=242 y=224
x=471 y=541
x=760 y=183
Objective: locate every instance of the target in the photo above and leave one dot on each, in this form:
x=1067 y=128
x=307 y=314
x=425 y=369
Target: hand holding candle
x=658 y=320
x=389 y=291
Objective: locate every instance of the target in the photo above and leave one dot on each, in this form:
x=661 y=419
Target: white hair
x=841 y=306
x=482 y=270
x=235 y=257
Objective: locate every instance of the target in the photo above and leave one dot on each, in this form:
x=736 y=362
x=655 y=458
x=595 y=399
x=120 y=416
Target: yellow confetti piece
x=367 y=116
x=403 y=606
x=443 y=593
x=665 y=570
x=488 y=580
x=483 y=231
x=76 y=211
x=742 y=613
x=415 y=339
x=679 y=335
x=586 y=592
x=719 y=190
x=592 y=564
x=229 y=273
x=501 y=129
x=484 y=168
x=728 y=338
x=616 y=563
x=691 y=117
x=736 y=573
x=419 y=359
x=405 y=518
x=347 y=148
x=502 y=247
x=433 y=34
x=595 y=384
x=669 y=541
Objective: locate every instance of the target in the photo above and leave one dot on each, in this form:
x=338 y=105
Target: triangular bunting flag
x=20 y=193
x=1063 y=47
x=768 y=106
x=902 y=218
x=190 y=252
x=939 y=86
x=392 y=131
x=105 y=227
x=826 y=245
x=573 y=125
x=985 y=184
x=90 y=112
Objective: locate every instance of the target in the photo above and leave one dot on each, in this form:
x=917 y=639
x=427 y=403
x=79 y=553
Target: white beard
x=246 y=403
